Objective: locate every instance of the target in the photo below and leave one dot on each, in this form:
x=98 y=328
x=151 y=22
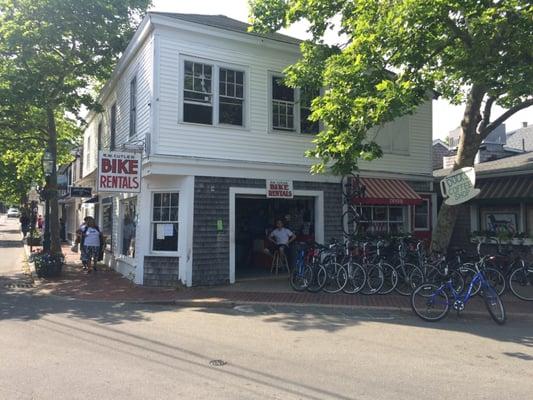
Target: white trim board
x=234 y=191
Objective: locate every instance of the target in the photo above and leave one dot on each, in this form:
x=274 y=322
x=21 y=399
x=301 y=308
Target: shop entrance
x=255 y=217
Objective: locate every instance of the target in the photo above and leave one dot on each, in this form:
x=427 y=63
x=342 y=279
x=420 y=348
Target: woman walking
x=91 y=240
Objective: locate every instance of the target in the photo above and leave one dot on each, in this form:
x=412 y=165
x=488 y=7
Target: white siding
x=141 y=66
x=255 y=142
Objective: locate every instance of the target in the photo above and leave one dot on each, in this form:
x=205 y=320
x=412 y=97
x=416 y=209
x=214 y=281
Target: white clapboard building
x=199 y=100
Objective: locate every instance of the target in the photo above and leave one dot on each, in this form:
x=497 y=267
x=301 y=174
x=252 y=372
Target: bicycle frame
x=463 y=298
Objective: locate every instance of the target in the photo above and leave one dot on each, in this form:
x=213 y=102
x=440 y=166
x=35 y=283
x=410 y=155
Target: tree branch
x=459 y=33
x=486 y=114
x=501 y=119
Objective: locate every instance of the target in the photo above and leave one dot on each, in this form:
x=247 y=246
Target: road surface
x=52 y=348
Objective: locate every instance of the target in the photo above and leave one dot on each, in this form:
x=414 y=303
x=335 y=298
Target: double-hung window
x=291 y=108
x=133 y=107
x=165 y=213
x=213 y=94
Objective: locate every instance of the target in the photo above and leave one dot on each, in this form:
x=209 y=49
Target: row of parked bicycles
x=403 y=265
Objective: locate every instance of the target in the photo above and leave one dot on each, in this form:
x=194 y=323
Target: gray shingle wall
x=161 y=271
x=211 y=203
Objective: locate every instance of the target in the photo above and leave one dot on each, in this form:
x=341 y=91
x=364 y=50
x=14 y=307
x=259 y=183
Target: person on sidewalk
x=91 y=240
x=77 y=242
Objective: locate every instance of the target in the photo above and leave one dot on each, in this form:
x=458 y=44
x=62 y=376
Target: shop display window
x=383 y=220
x=129 y=225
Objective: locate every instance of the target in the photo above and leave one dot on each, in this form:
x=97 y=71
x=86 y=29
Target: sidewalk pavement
x=108 y=285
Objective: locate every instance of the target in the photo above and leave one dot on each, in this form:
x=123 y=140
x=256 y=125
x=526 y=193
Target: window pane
x=198 y=113
x=188 y=83
x=197 y=97
x=239 y=91
x=157 y=213
x=174 y=199
x=188 y=67
x=280 y=91
x=174 y=214
x=239 y=78
x=230 y=111
x=161 y=238
x=165 y=199
x=380 y=213
x=157 y=199
x=396 y=214
x=165 y=214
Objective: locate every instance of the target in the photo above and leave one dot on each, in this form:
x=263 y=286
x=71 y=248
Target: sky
x=446 y=117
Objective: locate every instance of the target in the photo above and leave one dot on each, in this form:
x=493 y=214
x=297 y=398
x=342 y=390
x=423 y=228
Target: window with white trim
x=291 y=108
x=133 y=107
x=384 y=219
x=422 y=215
x=213 y=94
x=165 y=225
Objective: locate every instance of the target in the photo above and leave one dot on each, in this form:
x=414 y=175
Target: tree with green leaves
x=52 y=52
x=391 y=55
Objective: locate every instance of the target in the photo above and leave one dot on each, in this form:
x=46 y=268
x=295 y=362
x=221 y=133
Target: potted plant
x=48 y=265
x=519 y=238
x=34 y=238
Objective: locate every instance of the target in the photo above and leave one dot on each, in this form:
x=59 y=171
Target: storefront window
x=421 y=215
x=499 y=219
x=107 y=222
x=383 y=219
x=165 y=213
x=129 y=223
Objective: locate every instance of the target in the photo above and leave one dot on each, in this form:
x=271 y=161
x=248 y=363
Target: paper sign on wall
x=279 y=189
x=160 y=231
x=168 y=230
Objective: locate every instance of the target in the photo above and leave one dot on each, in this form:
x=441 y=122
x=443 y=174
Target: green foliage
x=442 y=45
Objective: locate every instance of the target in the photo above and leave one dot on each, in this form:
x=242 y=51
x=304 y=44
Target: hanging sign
x=278 y=189
x=119 y=172
x=77 y=191
x=458 y=187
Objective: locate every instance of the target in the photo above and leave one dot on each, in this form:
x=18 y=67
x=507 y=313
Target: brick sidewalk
x=108 y=285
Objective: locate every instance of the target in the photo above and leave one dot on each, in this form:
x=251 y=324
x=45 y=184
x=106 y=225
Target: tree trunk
x=55 y=241
x=466 y=153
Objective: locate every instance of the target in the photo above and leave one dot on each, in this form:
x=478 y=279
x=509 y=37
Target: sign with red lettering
x=277 y=189
x=119 y=172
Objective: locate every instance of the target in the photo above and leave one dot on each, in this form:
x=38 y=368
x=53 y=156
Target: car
x=13 y=213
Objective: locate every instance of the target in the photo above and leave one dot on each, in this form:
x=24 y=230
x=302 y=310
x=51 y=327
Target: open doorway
x=255 y=217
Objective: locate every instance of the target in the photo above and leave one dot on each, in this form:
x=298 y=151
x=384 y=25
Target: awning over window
x=92 y=200
x=388 y=192
x=517 y=187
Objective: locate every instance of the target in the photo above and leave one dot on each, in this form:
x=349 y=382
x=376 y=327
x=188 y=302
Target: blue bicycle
x=432 y=302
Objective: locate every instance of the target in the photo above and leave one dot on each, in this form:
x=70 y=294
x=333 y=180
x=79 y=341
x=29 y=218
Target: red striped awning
x=388 y=192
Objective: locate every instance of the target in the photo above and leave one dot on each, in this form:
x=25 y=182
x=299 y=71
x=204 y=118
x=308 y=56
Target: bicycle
x=431 y=302
x=336 y=276
x=356 y=273
x=409 y=275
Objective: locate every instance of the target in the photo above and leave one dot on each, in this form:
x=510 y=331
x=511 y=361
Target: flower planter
x=33 y=241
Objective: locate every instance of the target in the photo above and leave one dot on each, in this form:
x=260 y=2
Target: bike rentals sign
x=459 y=186
x=119 y=172
x=278 y=189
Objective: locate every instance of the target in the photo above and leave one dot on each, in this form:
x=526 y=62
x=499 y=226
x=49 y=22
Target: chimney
x=524 y=124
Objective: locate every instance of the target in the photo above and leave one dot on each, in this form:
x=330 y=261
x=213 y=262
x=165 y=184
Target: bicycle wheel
x=496 y=279
x=468 y=271
x=298 y=279
x=521 y=283
x=336 y=277
x=430 y=302
x=316 y=278
x=356 y=278
x=390 y=278
x=374 y=279
x=494 y=303
x=350 y=222
x=409 y=277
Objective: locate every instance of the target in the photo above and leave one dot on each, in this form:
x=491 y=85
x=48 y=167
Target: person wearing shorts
x=91 y=241
x=282 y=237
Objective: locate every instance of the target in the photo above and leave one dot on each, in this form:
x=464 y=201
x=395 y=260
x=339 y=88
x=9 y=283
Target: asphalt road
x=53 y=348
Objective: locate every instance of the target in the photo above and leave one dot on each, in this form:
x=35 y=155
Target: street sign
x=458 y=187
x=76 y=191
x=279 y=189
x=33 y=195
x=119 y=172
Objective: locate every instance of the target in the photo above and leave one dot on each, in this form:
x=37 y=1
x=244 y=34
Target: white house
x=201 y=96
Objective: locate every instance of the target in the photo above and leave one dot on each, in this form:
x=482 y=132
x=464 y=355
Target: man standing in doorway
x=282 y=238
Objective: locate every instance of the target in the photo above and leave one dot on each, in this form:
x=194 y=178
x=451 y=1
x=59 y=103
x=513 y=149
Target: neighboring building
x=201 y=96
x=506 y=198
x=522 y=138
x=440 y=150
